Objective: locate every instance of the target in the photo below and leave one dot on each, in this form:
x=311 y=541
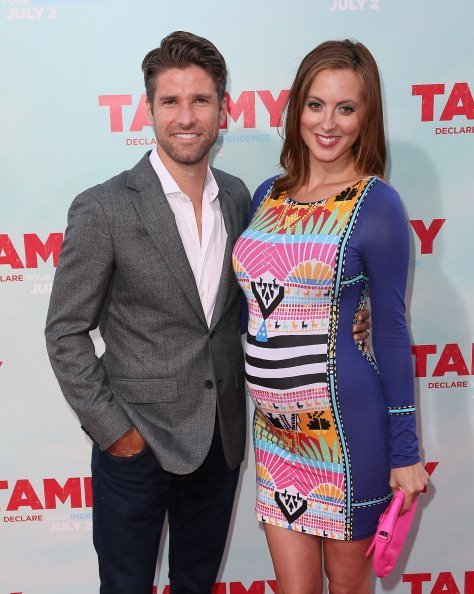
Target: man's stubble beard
x=191 y=155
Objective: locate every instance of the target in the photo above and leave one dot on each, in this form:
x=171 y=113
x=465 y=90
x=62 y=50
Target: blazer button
x=212 y=334
x=209 y=384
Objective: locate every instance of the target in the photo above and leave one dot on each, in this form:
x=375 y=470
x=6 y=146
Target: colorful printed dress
x=330 y=420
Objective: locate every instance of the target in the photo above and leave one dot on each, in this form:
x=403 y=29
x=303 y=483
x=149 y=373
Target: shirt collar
x=170 y=187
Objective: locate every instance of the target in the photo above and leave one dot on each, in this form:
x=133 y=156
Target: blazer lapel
x=158 y=219
x=227 y=274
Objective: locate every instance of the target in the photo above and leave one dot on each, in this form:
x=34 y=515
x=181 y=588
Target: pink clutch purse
x=391 y=533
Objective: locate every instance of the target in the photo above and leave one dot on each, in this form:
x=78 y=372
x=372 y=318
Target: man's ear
x=149 y=113
x=223 y=111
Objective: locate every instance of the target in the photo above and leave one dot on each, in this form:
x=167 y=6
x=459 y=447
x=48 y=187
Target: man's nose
x=186 y=115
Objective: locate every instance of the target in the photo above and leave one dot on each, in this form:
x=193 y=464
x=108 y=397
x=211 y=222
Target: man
x=147 y=258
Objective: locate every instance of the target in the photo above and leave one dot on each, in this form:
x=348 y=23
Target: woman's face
x=332 y=116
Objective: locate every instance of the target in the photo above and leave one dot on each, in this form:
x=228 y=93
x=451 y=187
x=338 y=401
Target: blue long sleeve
x=384 y=249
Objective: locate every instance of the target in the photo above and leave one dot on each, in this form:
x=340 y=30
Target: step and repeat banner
x=72 y=115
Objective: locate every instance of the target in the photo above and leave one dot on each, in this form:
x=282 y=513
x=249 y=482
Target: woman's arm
x=384 y=245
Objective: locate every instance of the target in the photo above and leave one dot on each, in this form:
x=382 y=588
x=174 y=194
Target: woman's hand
x=361 y=329
x=412 y=479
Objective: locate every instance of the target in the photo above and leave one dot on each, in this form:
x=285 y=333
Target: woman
x=334 y=428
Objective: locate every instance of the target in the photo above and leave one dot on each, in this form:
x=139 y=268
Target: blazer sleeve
x=81 y=284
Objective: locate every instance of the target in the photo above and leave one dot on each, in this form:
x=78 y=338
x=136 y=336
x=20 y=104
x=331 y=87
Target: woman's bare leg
x=346 y=567
x=297 y=560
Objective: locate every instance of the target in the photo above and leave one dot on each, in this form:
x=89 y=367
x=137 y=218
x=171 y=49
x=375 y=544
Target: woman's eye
x=347 y=109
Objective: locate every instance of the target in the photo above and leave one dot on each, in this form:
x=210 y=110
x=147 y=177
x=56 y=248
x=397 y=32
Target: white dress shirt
x=206 y=256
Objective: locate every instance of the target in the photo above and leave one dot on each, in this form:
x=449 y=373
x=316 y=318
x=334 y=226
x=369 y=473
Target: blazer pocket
x=144 y=391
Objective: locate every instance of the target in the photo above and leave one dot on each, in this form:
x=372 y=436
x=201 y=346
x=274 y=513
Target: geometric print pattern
x=288 y=263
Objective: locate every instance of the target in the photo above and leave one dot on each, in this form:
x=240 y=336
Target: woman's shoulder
x=263 y=188
x=384 y=190
x=260 y=194
x=382 y=205
x=382 y=196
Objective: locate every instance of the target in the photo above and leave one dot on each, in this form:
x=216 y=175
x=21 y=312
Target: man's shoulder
x=110 y=185
x=121 y=184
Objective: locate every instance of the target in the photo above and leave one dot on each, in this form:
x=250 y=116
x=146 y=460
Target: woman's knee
x=346 y=567
x=350 y=586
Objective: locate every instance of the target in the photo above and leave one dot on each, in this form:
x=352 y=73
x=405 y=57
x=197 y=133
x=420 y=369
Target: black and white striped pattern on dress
x=286 y=362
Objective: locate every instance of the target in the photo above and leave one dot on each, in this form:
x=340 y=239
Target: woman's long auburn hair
x=369 y=149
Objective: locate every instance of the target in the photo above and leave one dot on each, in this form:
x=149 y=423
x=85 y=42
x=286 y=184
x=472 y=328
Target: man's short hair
x=181 y=50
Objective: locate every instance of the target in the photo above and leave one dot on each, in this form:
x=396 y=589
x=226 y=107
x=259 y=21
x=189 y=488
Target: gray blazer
x=123 y=269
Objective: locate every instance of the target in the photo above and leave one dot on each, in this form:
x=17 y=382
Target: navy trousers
x=131 y=497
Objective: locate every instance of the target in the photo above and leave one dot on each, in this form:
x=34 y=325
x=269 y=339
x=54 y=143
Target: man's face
x=186 y=114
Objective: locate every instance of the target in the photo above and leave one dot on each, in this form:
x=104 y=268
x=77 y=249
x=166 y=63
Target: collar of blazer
x=158 y=219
